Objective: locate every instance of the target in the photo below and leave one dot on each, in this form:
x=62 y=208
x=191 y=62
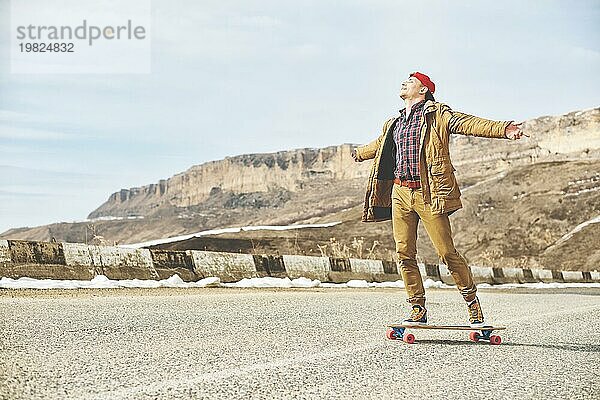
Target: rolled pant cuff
x=469 y=294
x=416 y=300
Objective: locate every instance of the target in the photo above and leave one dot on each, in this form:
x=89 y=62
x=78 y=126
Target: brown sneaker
x=475 y=314
x=418 y=316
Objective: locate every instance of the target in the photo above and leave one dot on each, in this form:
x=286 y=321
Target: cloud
x=9 y=115
x=23 y=149
x=12 y=173
x=33 y=134
x=306 y=51
x=16 y=194
x=256 y=21
x=17 y=125
x=585 y=53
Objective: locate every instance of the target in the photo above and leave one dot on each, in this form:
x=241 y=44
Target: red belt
x=408 y=184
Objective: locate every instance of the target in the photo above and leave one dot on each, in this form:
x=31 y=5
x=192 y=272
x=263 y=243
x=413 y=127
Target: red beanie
x=425 y=81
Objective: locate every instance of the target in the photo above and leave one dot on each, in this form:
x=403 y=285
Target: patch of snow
x=102 y=282
x=430 y=283
x=582 y=191
x=333 y=285
x=305 y=283
x=227 y=230
x=266 y=282
x=395 y=284
x=270 y=282
x=579 y=227
x=107 y=218
x=355 y=283
x=542 y=285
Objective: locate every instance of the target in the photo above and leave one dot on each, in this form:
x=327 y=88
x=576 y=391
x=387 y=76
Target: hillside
x=520 y=219
x=520 y=199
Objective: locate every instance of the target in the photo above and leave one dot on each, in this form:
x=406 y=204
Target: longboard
x=398 y=332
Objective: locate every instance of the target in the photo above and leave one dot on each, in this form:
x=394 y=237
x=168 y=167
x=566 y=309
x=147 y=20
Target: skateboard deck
x=398 y=332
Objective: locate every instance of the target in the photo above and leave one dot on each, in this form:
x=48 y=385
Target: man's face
x=412 y=88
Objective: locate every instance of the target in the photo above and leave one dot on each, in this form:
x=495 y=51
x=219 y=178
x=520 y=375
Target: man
x=412 y=179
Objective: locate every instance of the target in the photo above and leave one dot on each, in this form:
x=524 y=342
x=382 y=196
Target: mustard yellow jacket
x=440 y=188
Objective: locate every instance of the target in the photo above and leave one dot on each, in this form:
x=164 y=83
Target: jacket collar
x=430 y=106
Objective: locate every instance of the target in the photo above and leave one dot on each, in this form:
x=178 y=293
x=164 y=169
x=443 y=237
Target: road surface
x=294 y=344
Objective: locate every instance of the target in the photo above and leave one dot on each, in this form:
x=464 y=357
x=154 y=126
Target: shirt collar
x=415 y=107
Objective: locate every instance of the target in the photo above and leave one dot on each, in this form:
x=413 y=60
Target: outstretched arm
x=465 y=124
x=368 y=151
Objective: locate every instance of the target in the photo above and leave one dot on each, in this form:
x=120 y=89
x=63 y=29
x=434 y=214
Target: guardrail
x=46 y=260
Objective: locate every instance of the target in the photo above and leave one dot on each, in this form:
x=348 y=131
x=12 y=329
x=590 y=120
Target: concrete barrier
x=4 y=253
x=542 y=275
x=572 y=276
x=168 y=263
x=361 y=266
x=587 y=276
x=340 y=270
x=124 y=263
x=500 y=278
x=79 y=255
x=595 y=276
x=482 y=274
x=429 y=271
x=229 y=267
x=445 y=275
x=422 y=270
x=307 y=266
x=528 y=276
x=39 y=260
x=267 y=265
x=345 y=269
x=24 y=252
x=390 y=267
x=508 y=275
x=391 y=272
x=368 y=270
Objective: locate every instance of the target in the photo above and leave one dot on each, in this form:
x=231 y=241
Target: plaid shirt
x=406 y=135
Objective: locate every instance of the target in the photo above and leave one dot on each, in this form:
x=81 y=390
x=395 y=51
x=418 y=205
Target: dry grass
x=355 y=249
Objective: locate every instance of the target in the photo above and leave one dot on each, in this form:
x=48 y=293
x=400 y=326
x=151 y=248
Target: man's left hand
x=514 y=131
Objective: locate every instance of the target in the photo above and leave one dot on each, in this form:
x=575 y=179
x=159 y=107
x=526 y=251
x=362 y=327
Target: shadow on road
x=587 y=348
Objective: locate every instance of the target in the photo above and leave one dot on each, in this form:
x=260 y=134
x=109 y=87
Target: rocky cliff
x=249 y=173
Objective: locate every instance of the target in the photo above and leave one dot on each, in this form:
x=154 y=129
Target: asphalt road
x=317 y=343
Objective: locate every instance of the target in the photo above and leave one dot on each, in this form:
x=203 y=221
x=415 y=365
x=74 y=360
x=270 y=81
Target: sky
x=238 y=77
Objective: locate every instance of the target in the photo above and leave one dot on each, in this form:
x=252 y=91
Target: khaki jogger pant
x=407 y=208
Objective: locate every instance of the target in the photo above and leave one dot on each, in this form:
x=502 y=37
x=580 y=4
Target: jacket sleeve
x=465 y=124
x=368 y=151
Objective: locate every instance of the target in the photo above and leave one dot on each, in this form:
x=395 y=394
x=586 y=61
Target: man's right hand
x=514 y=131
x=354 y=155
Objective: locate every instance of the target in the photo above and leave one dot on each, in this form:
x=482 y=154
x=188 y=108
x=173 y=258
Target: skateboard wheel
x=391 y=334
x=474 y=336
x=409 y=338
x=495 y=339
